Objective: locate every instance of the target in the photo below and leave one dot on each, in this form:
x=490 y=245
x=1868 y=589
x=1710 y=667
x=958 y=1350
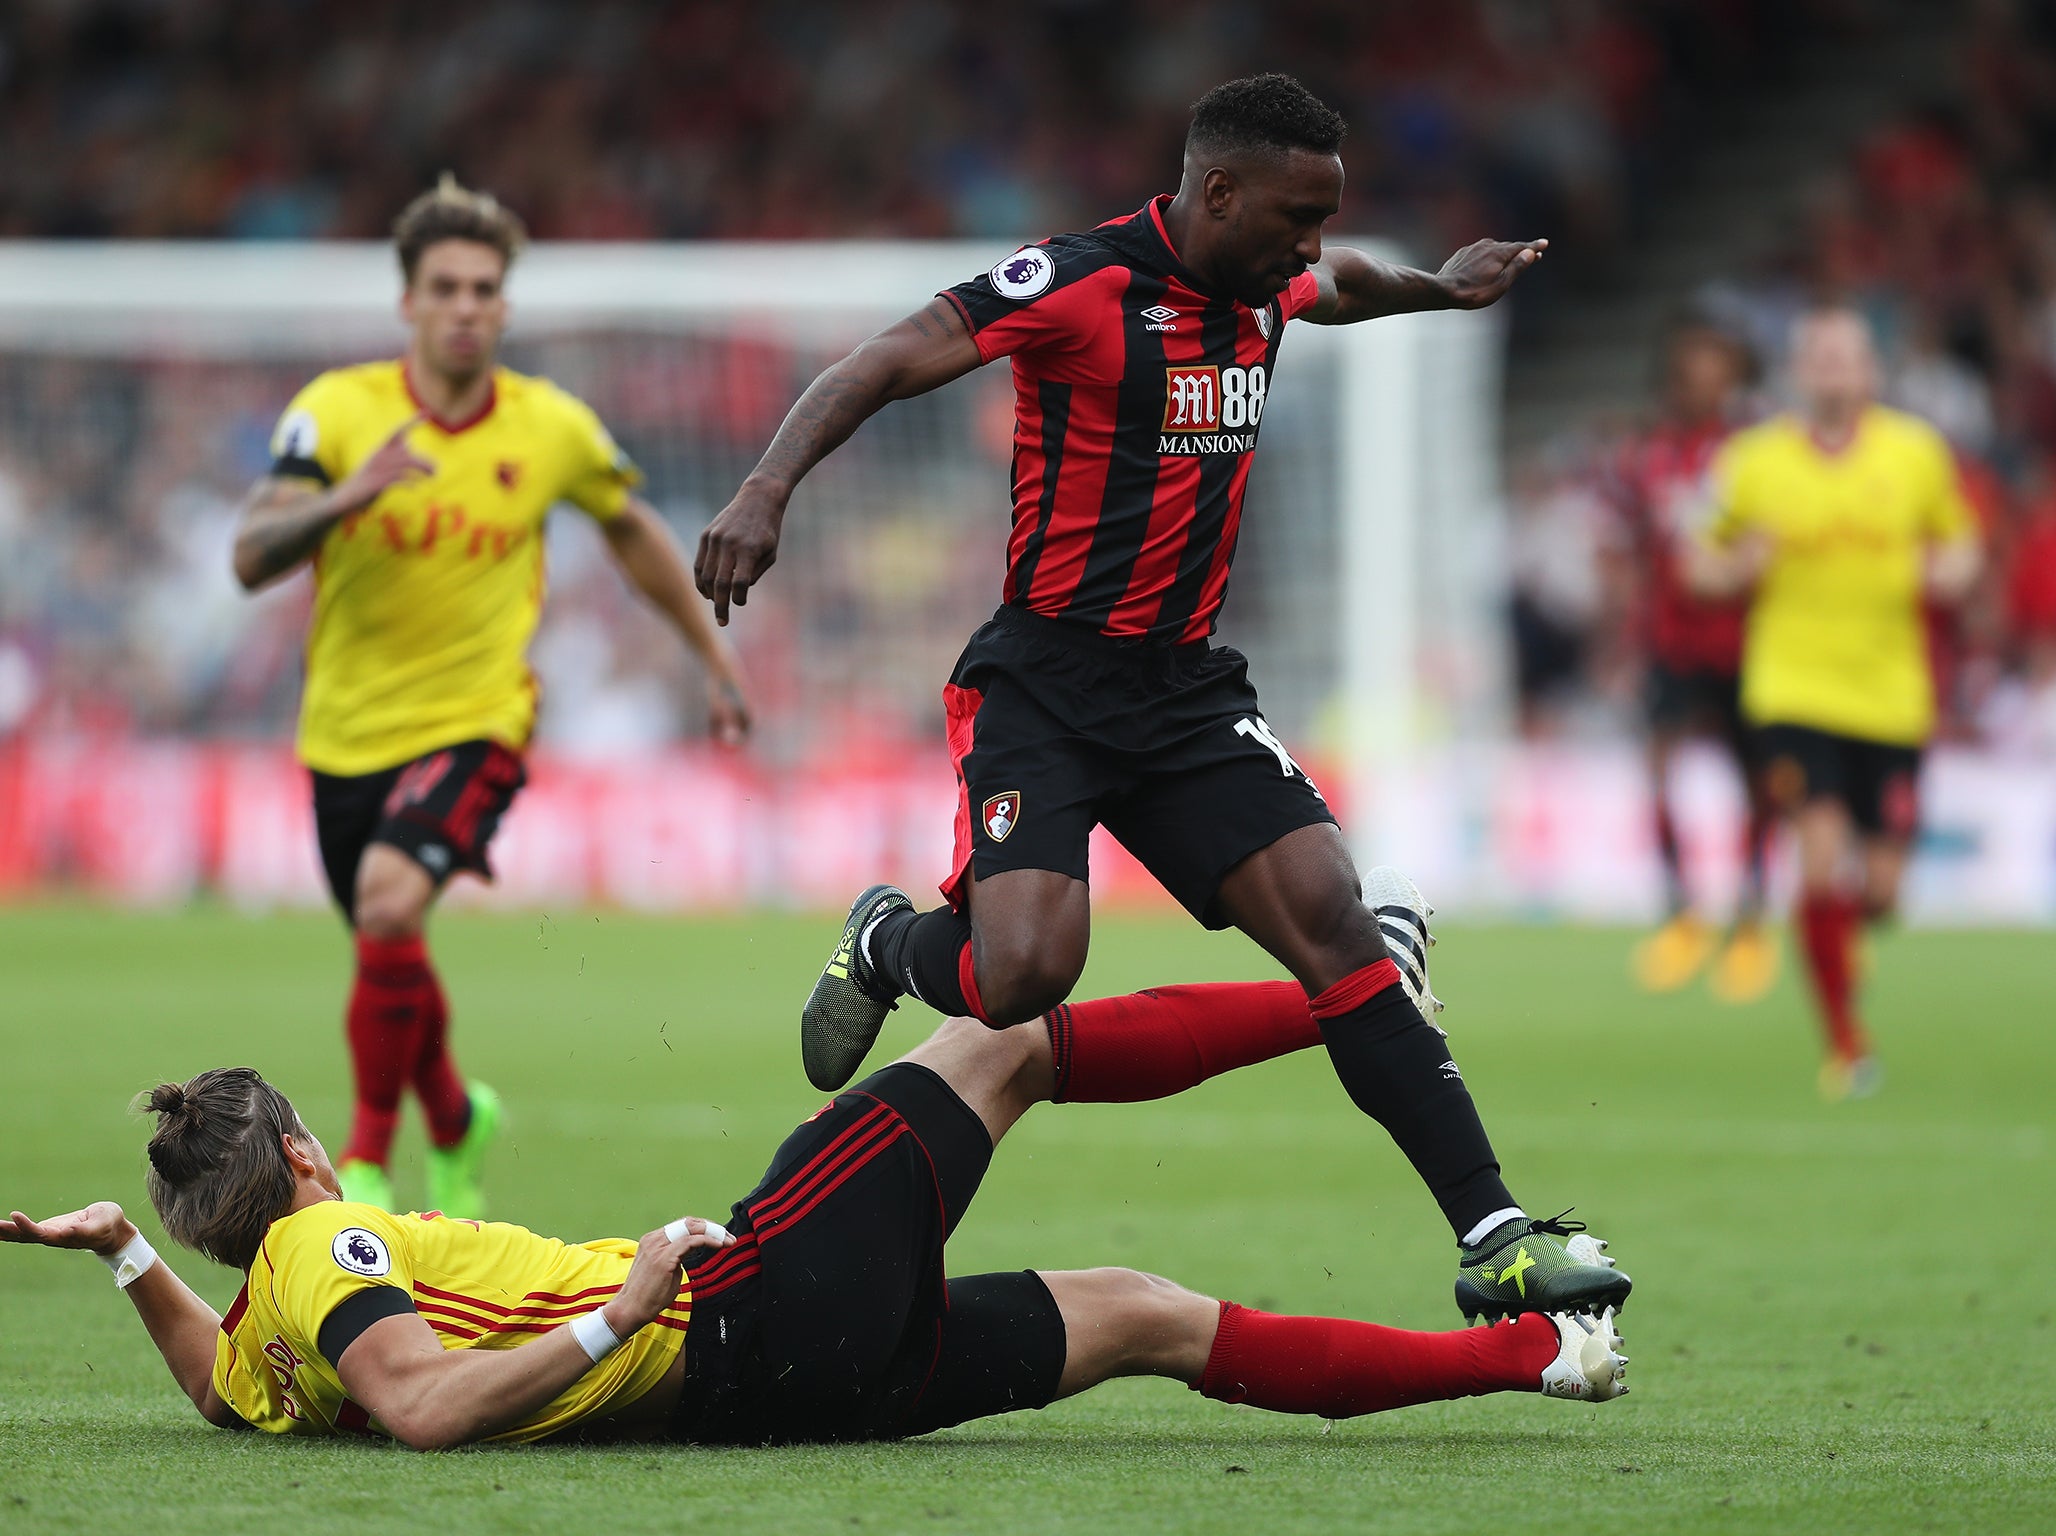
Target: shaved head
x=1262 y=174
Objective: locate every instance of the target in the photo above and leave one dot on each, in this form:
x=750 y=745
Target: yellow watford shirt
x=479 y=1285
x=426 y=599
x=1837 y=637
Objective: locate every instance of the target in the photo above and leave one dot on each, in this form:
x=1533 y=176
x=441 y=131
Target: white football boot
x=1403 y=913
x=1589 y=1366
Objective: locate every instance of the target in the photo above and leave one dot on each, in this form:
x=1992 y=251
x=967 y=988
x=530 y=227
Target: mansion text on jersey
x=1182 y=445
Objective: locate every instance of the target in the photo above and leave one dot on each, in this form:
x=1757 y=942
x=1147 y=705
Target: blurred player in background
x=1841 y=521
x=418 y=490
x=1694 y=650
x=1142 y=356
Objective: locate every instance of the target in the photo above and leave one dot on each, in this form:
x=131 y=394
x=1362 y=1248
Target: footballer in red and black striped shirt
x=1143 y=353
x=1139 y=395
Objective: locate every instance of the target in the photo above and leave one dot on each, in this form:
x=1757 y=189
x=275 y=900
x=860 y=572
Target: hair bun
x=170 y=1099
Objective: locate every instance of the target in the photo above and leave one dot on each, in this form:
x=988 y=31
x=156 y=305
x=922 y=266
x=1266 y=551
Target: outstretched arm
x=432 y=1398
x=641 y=544
x=182 y=1326
x=920 y=353
x=1355 y=286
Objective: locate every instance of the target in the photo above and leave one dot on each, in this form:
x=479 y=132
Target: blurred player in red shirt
x=1694 y=651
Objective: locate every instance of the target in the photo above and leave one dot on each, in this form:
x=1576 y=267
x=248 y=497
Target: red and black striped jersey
x=1138 y=397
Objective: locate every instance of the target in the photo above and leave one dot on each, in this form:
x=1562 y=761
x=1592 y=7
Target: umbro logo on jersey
x=1161 y=317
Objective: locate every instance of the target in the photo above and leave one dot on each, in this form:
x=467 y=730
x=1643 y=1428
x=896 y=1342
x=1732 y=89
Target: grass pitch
x=1842 y=1316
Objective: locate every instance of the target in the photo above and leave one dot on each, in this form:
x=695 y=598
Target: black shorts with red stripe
x=831 y=1318
x=1877 y=782
x=1055 y=729
x=441 y=810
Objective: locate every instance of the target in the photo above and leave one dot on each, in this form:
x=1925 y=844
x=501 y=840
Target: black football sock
x=1397 y=1068
x=922 y=954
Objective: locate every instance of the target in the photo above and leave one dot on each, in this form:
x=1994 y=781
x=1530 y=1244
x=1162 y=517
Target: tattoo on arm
x=1355 y=286
x=283 y=525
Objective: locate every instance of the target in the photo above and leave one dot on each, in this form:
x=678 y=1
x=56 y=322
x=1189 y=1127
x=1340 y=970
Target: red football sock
x=1827 y=930
x=1150 y=1045
x=384 y=1029
x=444 y=1098
x=1339 y=1369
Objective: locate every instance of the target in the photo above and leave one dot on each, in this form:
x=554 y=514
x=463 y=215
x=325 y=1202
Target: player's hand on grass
x=1482 y=271
x=392 y=463
x=652 y=1283
x=99 y=1228
x=738 y=547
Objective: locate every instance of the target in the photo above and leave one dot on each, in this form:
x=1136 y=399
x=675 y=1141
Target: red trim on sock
x=1354 y=990
x=967 y=983
x=390 y=954
x=1339 y=1369
x=1150 y=1045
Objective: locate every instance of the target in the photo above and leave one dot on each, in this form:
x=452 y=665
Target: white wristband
x=594 y=1336
x=131 y=1262
x=678 y=1229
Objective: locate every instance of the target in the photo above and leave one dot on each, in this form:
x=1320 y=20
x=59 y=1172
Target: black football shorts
x=441 y=810
x=1878 y=781
x=830 y=1317
x=1055 y=730
x=1711 y=702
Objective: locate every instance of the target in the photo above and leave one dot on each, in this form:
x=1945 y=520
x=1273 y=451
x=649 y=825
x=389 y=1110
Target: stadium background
x=1730 y=154
x=1841 y=1319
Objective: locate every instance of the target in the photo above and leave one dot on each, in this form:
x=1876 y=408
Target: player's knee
x=390 y=909
x=1023 y=978
x=1341 y=931
x=387 y=919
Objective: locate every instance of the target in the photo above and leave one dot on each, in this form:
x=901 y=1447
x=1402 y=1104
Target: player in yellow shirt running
x=826 y=1315
x=418 y=489
x=1842 y=520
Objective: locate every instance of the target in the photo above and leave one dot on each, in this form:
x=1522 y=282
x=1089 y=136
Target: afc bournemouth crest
x=1263 y=322
x=1001 y=815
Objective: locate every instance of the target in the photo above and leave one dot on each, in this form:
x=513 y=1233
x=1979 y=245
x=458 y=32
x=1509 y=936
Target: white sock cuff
x=1498 y=1218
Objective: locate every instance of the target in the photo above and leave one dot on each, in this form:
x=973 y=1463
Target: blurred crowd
x=920 y=118
x=1941 y=228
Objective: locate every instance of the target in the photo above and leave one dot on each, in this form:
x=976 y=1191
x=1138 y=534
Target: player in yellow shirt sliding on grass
x=822 y=1312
